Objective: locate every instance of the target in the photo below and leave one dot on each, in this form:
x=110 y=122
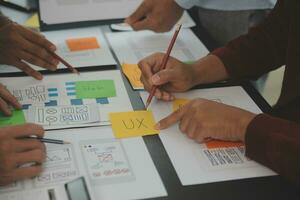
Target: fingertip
x=155 y=79
x=157 y=126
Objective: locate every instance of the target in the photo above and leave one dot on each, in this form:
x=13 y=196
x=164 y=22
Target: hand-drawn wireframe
x=15 y=186
x=106 y=161
x=64 y=115
x=33 y=94
x=60 y=165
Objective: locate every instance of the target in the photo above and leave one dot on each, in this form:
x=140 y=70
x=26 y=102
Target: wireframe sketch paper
x=131 y=47
x=81 y=47
x=213 y=161
x=186 y=20
x=108 y=165
x=66 y=107
x=66 y=11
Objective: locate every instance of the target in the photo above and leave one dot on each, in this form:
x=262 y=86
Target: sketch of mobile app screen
x=106 y=161
x=60 y=165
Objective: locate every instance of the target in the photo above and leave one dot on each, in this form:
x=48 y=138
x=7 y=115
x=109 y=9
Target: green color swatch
x=95 y=89
x=16 y=118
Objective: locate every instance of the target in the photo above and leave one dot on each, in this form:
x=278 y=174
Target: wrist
x=244 y=123
x=4 y=21
x=209 y=69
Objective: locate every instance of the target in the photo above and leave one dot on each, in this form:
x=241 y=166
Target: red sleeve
x=275 y=143
x=261 y=50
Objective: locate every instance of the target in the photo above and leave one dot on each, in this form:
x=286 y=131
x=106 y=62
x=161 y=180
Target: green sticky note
x=16 y=118
x=95 y=89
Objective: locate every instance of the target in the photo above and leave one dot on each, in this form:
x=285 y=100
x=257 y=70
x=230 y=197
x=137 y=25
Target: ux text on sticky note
x=133 y=73
x=81 y=44
x=95 y=89
x=16 y=118
x=133 y=124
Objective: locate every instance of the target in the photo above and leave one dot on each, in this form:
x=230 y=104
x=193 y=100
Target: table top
x=263 y=188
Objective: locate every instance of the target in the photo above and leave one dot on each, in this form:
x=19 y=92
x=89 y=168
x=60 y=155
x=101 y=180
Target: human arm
x=20 y=158
x=20 y=46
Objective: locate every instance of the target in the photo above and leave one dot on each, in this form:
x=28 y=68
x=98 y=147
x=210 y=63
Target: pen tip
x=76 y=71
x=65 y=142
x=147 y=105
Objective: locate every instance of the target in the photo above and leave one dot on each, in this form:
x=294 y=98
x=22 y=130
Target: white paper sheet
x=31 y=94
x=195 y=163
x=115 y=169
x=65 y=11
x=62 y=91
x=85 y=58
x=131 y=47
x=186 y=20
x=69 y=115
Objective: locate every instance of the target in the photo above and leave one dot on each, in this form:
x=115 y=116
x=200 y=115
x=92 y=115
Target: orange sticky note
x=133 y=73
x=81 y=44
x=177 y=103
x=216 y=144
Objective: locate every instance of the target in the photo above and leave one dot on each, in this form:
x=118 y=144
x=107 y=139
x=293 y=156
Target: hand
x=19 y=44
x=15 y=151
x=176 y=77
x=6 y=99
x=201 y=119
x=155 y=15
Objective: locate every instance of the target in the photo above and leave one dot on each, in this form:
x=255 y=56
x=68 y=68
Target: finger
x=25 y=130
x=171 y=119
x=184 y=122
x=28 y=70
x=9 y=98
x=144 y=24
x=146 y=69
x=35 y=156
x=158 y=93
x=191 y=131
x=38 y=51
x=166 y=96
x=35 y=60
x=23 y=145
x=27 y=172
x=138 y=14
x=4 y=108
x=164 y=76
x=37 y=38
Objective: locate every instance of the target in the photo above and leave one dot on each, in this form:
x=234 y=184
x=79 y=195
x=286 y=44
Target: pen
x=52 y=141
x=72 y=69
x=164 y=63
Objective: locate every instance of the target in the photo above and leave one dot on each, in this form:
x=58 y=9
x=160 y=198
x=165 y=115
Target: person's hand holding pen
x=16 y=151
x=178 y=76
x=20 y=46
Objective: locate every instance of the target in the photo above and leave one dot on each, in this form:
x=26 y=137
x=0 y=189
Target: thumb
x=171 y=119
x=162 y=77
x=137 y=15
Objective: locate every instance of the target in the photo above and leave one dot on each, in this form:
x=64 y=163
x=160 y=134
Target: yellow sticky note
x=80 y=44
x=133 y=124
x=133 y=73
x=177 y=103
x=33 y=21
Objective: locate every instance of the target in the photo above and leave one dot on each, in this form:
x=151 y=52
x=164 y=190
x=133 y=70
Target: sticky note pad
x=95 y=89
x=133 y=73
x=177 y=103
x=133 y=124
x=81 y=44
x=16 y=118
x=33 y=21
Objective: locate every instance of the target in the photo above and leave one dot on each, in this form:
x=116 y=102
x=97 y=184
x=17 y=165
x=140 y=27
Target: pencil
x=164 y=63
x=52 y=141
x=72 y=69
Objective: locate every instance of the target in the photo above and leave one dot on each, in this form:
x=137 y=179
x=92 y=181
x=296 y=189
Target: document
x=67 y=11
x=133 y=124
x=186 y=21
x=213 y=161
x=115 y=169
x=71 y=98
x=81 y=47
x=131 y=47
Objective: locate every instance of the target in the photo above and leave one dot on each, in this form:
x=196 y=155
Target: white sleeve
x=187 y=4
